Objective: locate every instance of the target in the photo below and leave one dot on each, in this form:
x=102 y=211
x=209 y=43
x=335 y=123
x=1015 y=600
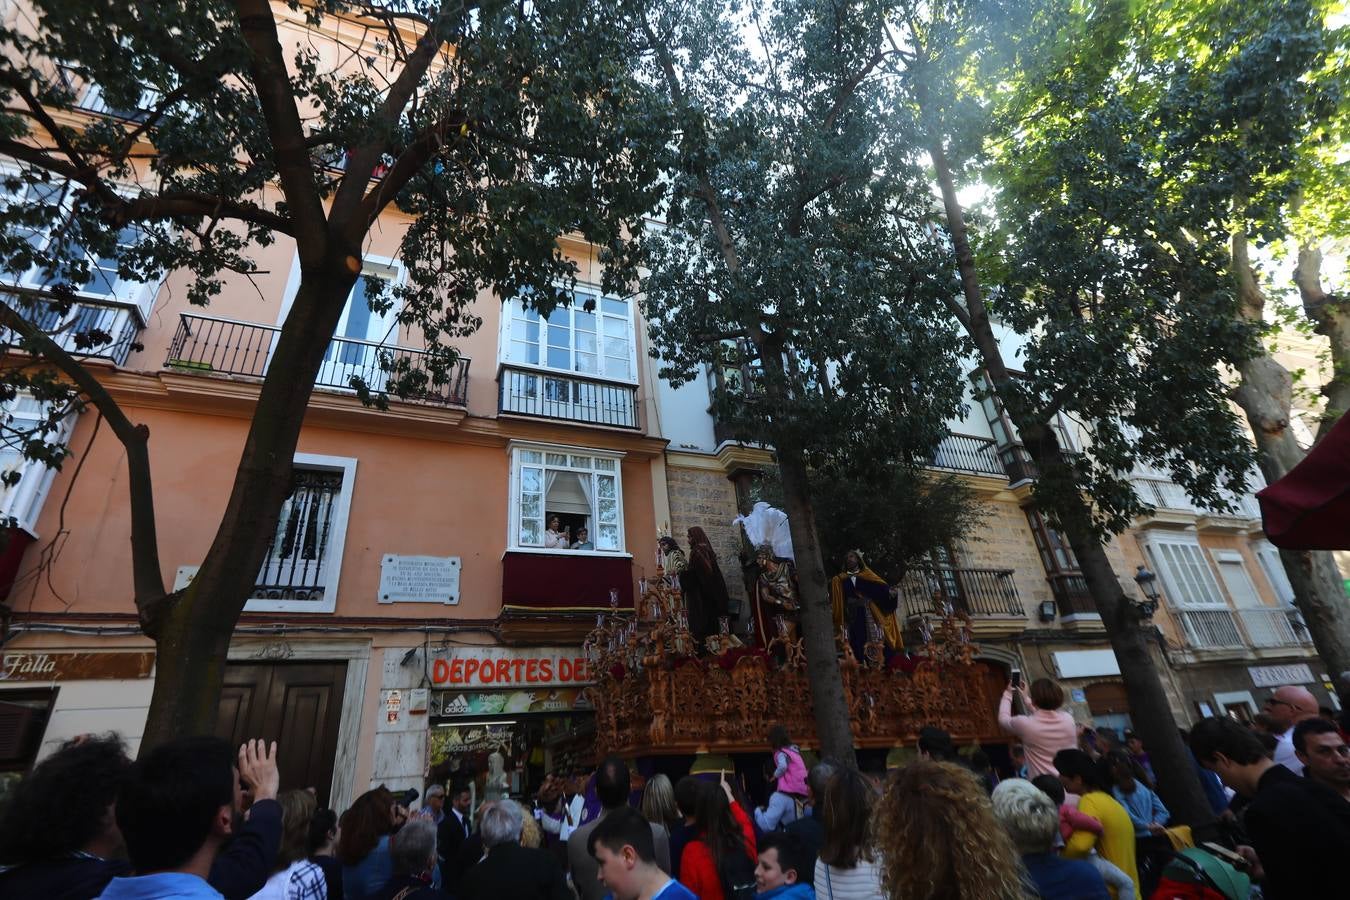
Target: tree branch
x=294 y=168
x=147 y=576
x=349 y=201
x=195 y=203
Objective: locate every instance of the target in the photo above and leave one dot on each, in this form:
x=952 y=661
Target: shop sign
x=492 y=703
x=1277 y=676
x=475 y=667
x=77 y=666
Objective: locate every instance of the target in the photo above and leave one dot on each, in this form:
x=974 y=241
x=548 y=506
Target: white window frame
x=582 y=292
x=1181 y=591
x=1273 y=568
x=24 y=500
x=135 y=295
x=337 y=537
x=370 y=260
x=513 y=451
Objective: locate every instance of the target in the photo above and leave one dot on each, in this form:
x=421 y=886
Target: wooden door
x=298 y=705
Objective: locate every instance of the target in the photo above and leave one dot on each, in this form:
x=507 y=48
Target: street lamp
x=1148 y=586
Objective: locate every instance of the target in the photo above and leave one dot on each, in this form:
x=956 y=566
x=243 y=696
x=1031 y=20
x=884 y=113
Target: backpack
x=737 y=875
x=1194 y=874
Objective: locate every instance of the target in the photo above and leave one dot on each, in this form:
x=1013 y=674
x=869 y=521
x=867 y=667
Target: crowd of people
x=1078 y=818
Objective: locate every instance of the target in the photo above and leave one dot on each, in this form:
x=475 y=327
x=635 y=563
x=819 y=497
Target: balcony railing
x=967 y=453
x=1164 y=494
x=1275 y=627
x=1209 y=629
x=1071 y=593
x=221 y=346
x=88 y=329
x=574 y=398
x=975 y=592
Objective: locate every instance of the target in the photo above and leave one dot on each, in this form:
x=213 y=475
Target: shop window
x=23 y=721
x=572 y=488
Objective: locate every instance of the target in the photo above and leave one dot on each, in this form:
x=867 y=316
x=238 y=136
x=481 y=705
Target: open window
x=559 y=491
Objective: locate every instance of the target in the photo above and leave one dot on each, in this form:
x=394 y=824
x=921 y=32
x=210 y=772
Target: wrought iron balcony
x=967 y=453
x=208 y=345
x=88 y=329
x=1072 y=596
x=572 y=398
x=1209 y=629
x=975 y=592
x=1275 y=627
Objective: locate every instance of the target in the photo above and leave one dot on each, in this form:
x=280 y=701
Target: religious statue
x=863 y=603
x=672 y=558
x=766 y=525
x=705 y=591
x=775 y=594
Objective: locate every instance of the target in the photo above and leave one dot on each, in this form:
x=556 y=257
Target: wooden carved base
x=729 y=704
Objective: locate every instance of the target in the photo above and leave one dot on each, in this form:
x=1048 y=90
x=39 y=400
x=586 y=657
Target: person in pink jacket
x=1045 y=730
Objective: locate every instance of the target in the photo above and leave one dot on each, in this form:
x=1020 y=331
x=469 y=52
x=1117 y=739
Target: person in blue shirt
x=176 y=809
x=1032 y=821
x=623 y=846
x=1145 y=809
x=778 y=874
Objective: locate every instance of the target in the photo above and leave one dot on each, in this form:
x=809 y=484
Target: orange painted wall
x=411 y=496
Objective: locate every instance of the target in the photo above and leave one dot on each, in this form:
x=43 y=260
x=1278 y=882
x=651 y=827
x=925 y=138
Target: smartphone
x=1016 y=678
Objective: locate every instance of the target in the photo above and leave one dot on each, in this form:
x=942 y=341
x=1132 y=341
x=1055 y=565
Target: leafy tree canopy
x=797 y=249
x=497 y=126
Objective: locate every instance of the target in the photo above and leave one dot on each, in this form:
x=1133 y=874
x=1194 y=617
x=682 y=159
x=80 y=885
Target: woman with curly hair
x=939 y=840
x=848 y=867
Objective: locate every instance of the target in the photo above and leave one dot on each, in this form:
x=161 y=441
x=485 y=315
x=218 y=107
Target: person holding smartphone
x=1045 y=729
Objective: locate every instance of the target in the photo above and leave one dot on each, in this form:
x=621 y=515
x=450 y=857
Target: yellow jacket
x=1115 y=843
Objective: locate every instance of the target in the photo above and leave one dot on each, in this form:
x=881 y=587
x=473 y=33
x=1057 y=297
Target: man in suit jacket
x=454 y=826
x=510 y=870
x=612 y=787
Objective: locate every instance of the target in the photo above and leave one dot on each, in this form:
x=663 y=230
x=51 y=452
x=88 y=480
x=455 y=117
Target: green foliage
x=899 y=519
x=528 y=124
x=819 y=310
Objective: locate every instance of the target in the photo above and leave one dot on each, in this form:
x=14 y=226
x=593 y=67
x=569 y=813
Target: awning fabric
x=1309 y=508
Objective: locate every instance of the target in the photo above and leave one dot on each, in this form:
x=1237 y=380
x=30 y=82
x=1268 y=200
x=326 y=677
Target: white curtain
x=587 y=491
x=568 y=492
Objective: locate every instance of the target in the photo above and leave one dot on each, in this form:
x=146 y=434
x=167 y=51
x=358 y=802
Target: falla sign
x=74 y=666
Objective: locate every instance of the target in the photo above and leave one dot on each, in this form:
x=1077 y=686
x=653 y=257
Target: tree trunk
x=1149 y=709
x=193 y=631
x=1331 y=317
x=828 y=701
x=1266 y=397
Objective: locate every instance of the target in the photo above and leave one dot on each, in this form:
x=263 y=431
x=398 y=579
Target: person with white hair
x=1032 y=821
x=412 y=853
x=510 y=870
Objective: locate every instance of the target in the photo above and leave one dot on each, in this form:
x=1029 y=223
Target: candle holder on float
x=790 y=652
x=874 y=651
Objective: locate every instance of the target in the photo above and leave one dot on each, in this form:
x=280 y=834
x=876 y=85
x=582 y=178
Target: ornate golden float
x=654 y=696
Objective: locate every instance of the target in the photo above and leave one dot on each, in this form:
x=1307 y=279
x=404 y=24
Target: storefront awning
x=1309 y=508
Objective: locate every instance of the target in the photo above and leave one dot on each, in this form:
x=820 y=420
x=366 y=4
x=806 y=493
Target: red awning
x=1309 y=508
